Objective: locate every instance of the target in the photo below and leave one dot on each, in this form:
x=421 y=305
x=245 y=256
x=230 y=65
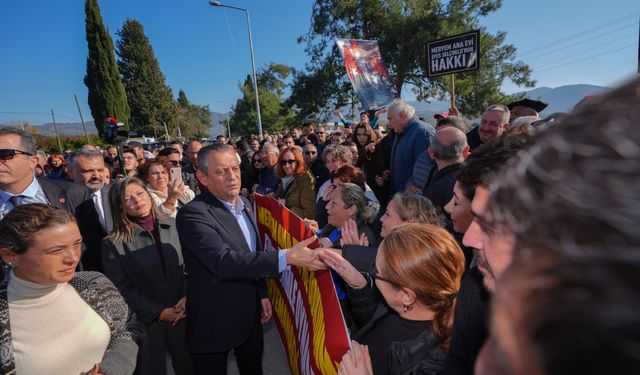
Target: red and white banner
x=367 y=72
x=305 y=305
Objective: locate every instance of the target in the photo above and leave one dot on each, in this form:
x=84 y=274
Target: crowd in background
x=504 y=248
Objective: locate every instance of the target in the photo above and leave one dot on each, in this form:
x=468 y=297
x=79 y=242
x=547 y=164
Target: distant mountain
x=73 y=129
x=560 y=99
x=64 y=128
x=218 y=121
x=563 y=98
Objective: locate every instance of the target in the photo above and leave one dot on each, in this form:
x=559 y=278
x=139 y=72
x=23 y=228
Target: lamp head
x=215 y=3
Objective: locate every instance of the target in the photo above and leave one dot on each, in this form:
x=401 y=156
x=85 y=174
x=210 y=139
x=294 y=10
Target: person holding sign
x=227 y=298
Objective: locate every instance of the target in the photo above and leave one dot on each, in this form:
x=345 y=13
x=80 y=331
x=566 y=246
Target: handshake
x=322 y=258
x=301 y=255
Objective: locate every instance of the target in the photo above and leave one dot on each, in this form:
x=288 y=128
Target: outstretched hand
x=302 y=256
x=346 y=270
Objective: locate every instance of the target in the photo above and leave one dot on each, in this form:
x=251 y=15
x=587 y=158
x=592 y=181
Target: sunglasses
x=8 y=154
x=310 y=152
x=285 y=162
x=176 y=163
x=321 y=133
x=257 y=160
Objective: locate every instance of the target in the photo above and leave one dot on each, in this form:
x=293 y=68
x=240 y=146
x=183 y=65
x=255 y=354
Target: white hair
x=402 y=108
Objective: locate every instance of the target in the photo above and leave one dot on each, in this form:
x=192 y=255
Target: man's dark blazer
x=92 y=230
x=439 y=186
x=63 y=194
x=223 y=290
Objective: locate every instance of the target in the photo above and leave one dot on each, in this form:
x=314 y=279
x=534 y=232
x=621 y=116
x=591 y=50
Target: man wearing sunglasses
x=321 y=139
x=18 y=185
x=175 y=158
x=319 y=171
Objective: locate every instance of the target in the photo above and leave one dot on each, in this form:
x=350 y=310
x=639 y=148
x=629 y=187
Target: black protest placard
x=453 y=54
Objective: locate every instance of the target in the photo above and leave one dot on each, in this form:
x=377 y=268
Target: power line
x=280 y=21
x=577 y=35
x=634 y=25
x=586 y=58
x=39 y=114
x=27 y=113
x=608 y=43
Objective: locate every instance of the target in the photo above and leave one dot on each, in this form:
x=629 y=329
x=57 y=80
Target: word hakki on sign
x=454 y=54
x=305 y=305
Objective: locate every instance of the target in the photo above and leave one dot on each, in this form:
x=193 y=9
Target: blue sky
x=204 y=50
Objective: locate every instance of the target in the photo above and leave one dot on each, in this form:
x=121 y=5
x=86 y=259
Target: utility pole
x=82 y=119
x=55 y=128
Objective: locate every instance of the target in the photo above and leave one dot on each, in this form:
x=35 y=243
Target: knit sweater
x=103 y=297
x=73 y=345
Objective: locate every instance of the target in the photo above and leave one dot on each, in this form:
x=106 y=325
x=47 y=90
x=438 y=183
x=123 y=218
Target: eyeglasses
x=310 y=152
x=176 y=163
x=8 y=154
x=373 y=273
x=285 y=162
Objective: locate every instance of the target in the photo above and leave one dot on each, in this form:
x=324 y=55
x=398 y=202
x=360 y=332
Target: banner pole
x=452 y=89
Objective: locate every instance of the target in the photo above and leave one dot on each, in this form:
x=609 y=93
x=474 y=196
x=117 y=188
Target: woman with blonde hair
x=417 y=271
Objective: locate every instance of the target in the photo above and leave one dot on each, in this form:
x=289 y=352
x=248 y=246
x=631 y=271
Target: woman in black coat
x=143 y=258
x=417 y=272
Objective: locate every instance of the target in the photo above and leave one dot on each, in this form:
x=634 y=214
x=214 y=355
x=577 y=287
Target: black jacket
x=63 y=194
x=439 y=187
x=470 y=327
x=223 y=289
x=92 y=230
x=420 y=355
x=149 y=281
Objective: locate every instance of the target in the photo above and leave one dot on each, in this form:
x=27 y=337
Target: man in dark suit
x=94 y=214
x=449 y=149
x=18 y=185
x=226 y=297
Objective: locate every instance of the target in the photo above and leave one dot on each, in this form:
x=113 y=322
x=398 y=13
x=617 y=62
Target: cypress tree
x=150 y=99
x=107 y=97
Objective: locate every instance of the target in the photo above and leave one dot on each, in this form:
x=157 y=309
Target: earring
x=11 y=266
x=407 y=308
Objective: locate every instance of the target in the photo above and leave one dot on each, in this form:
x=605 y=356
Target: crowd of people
x=505 y=248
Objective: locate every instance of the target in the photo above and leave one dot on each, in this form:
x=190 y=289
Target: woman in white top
x=168 y=195
x=52 y=319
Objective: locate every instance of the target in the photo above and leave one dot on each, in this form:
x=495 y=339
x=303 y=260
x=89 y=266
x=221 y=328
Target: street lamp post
x=253 y=64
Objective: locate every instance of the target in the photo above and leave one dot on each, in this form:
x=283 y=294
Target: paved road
x=274 y=361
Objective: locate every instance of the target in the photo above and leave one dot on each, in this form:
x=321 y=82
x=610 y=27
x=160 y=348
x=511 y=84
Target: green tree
x=276 y=114
x=107 y=97
x=194 y=120
x=402 y=28
x=150 y=99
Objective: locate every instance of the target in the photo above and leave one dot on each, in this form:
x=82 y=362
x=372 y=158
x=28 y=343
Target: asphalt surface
x=274 y=361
